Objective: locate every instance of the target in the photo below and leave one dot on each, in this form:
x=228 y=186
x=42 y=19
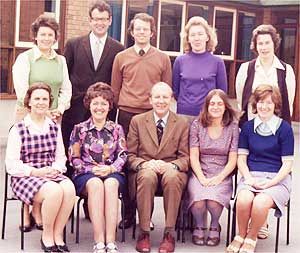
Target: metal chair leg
x=77 y=220
x=72 y=221
x=288 y=224
x=22 y=225
x=277 y=235
x=228 y=226
x=4 y=206
x=123 y=215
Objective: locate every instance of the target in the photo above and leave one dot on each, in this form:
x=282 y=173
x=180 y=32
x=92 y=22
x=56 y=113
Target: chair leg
x=134 y=226
x=72 y=221
x=77 y=220
x=228 y=227
x=183 y=228
x=277 y=235
x=233 y=227
x=288 y=224
x=4 y=206
x=123 y=215
x=65 y=234
x=22 y=225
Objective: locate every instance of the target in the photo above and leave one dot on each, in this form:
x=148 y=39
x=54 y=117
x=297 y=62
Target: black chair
x=186 y=214
x=78 y=214
x=5 y=200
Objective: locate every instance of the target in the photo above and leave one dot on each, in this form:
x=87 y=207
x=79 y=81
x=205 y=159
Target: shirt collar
x=38 y=54
x=272 y=123
x=89 y=125
x=94 y=39
x=137 y=48
x=164 y=119
x=276 y=63
x=30 y=123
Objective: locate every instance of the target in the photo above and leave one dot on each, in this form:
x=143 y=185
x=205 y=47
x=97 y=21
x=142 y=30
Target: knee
x=54 y=191
x=68 y=189
x=111 y=184
x=199 y=205
x=245 y=198
x=146 y=178
x=262 y=202
x=213 y=204
x=94 y=186
x=172 y=179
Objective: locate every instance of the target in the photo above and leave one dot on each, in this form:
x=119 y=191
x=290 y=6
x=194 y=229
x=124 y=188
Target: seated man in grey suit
x=158 y=156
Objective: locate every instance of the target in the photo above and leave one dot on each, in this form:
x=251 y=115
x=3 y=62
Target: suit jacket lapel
x=106 y=49
x=168 y=131
x=151 y=127
x=88 y=50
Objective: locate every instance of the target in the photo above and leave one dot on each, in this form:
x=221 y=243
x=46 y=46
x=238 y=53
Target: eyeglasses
x=102 y=20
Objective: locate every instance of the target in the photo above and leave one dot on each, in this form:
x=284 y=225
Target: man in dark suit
x=89 y=59
x=158 y=157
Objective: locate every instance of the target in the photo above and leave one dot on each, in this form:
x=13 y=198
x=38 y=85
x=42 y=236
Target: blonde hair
x=212 y=36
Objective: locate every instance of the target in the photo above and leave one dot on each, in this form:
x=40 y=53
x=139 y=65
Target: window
x=224 y=25
x=116 y=25
x=171 y=21
x=246 y=25
x=135 y=7
x=288 y=45
x=197 y=10
x=27 y=12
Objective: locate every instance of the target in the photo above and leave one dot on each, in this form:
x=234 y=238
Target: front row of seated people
x=160 y=151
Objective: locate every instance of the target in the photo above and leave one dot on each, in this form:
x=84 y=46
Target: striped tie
x=160 y=130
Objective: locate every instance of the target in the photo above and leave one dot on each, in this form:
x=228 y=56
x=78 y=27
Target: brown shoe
x=168 y=244
x=143 y=243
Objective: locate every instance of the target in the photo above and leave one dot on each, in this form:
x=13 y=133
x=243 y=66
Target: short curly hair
x=144 y=17
x=37 y=86
x=99 y=89
x=44 y=20
x=261 y=92
x=212 y=37
x=265 y=29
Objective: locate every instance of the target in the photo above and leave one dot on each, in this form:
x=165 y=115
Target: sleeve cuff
x=243 y=151
x=287 y=158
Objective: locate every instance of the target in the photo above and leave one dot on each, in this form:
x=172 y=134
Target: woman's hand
x=216 y=180
x=250 y=181
x=54 y=114
x=204 y=180
x=102 y=170
x=263 y=184
x=47 y=172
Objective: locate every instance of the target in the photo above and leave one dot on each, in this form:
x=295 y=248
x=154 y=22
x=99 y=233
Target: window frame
x=183 y=18
x=234 y=22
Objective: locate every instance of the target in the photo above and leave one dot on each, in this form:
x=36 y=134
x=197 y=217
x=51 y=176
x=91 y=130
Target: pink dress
x=213 y=157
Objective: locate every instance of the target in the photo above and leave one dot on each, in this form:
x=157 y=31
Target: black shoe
x=33 y=223
x=128 y=222
x=62 y=248
x=52 y=248
x=25 y=229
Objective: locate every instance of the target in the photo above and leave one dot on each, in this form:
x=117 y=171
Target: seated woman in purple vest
x=266 y=68
x=98 y=152
x=265 y=159
x=35 y=159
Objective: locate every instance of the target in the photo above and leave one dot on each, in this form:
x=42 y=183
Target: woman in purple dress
x=98 y=152
x=213 y=155
x=35 y=159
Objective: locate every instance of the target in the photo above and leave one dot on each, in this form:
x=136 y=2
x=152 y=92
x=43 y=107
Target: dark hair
x=99 y=89
x=44 y=20
x=265 y=29
x=100 y=6
x=37 y=86
x=229 y=115
x=144 y=17
x=261 y=92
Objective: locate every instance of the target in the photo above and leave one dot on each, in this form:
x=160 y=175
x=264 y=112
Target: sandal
x=214 y=241
x=235 y=249
x=263 y=233
x=199 y=240
x=99 y=247
x=248 y=242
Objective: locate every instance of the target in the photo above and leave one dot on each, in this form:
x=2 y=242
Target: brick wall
x=76 y=22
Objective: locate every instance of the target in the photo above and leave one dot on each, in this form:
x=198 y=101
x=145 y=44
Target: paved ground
x=12 y=236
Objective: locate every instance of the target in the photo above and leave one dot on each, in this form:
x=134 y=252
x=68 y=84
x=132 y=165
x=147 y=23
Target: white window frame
x=123 y=22
x=26 y=44
x=232 y=48
x=183 y=17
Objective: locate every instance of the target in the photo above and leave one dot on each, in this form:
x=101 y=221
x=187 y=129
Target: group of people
x=120 y=135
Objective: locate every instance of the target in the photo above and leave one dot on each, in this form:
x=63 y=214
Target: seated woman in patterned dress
x=98 y=152
x=213 y=154
x=35 y=159
x=265 y=159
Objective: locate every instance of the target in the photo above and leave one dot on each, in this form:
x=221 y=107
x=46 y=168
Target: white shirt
x=21 y=71
x=97 y=42
x=14 y=165
x=164 y=119
x=261 y=77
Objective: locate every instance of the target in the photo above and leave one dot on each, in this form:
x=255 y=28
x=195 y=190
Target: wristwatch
x=176 y=167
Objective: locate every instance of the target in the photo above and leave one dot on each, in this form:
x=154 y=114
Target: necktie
x=97 y=53
x=160 y=130
x=141 y=52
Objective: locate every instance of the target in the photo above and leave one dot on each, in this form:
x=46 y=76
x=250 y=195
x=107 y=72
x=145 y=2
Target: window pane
x=197 y=10
x=4 y=69
x=170 y=27
x=29 y=11
x=223 y=26
x=135 y=7
x=115 y=28
x=7 y=22
x=287 y=46
x=245 y=28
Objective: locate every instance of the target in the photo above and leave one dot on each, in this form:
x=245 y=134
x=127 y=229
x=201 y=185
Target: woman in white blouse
x=35 y=159
x=42 y=64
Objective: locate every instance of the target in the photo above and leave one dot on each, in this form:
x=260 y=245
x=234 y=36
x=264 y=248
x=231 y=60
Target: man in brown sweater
x=134 y=72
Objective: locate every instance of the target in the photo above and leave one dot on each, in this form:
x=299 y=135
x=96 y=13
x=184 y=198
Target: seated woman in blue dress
x=213 y=154
x=98 y=152
x=265 y=159
x=35 y=159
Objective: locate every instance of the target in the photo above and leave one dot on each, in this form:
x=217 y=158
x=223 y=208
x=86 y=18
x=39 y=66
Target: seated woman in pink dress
x=213 y=154
x=35 y=159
